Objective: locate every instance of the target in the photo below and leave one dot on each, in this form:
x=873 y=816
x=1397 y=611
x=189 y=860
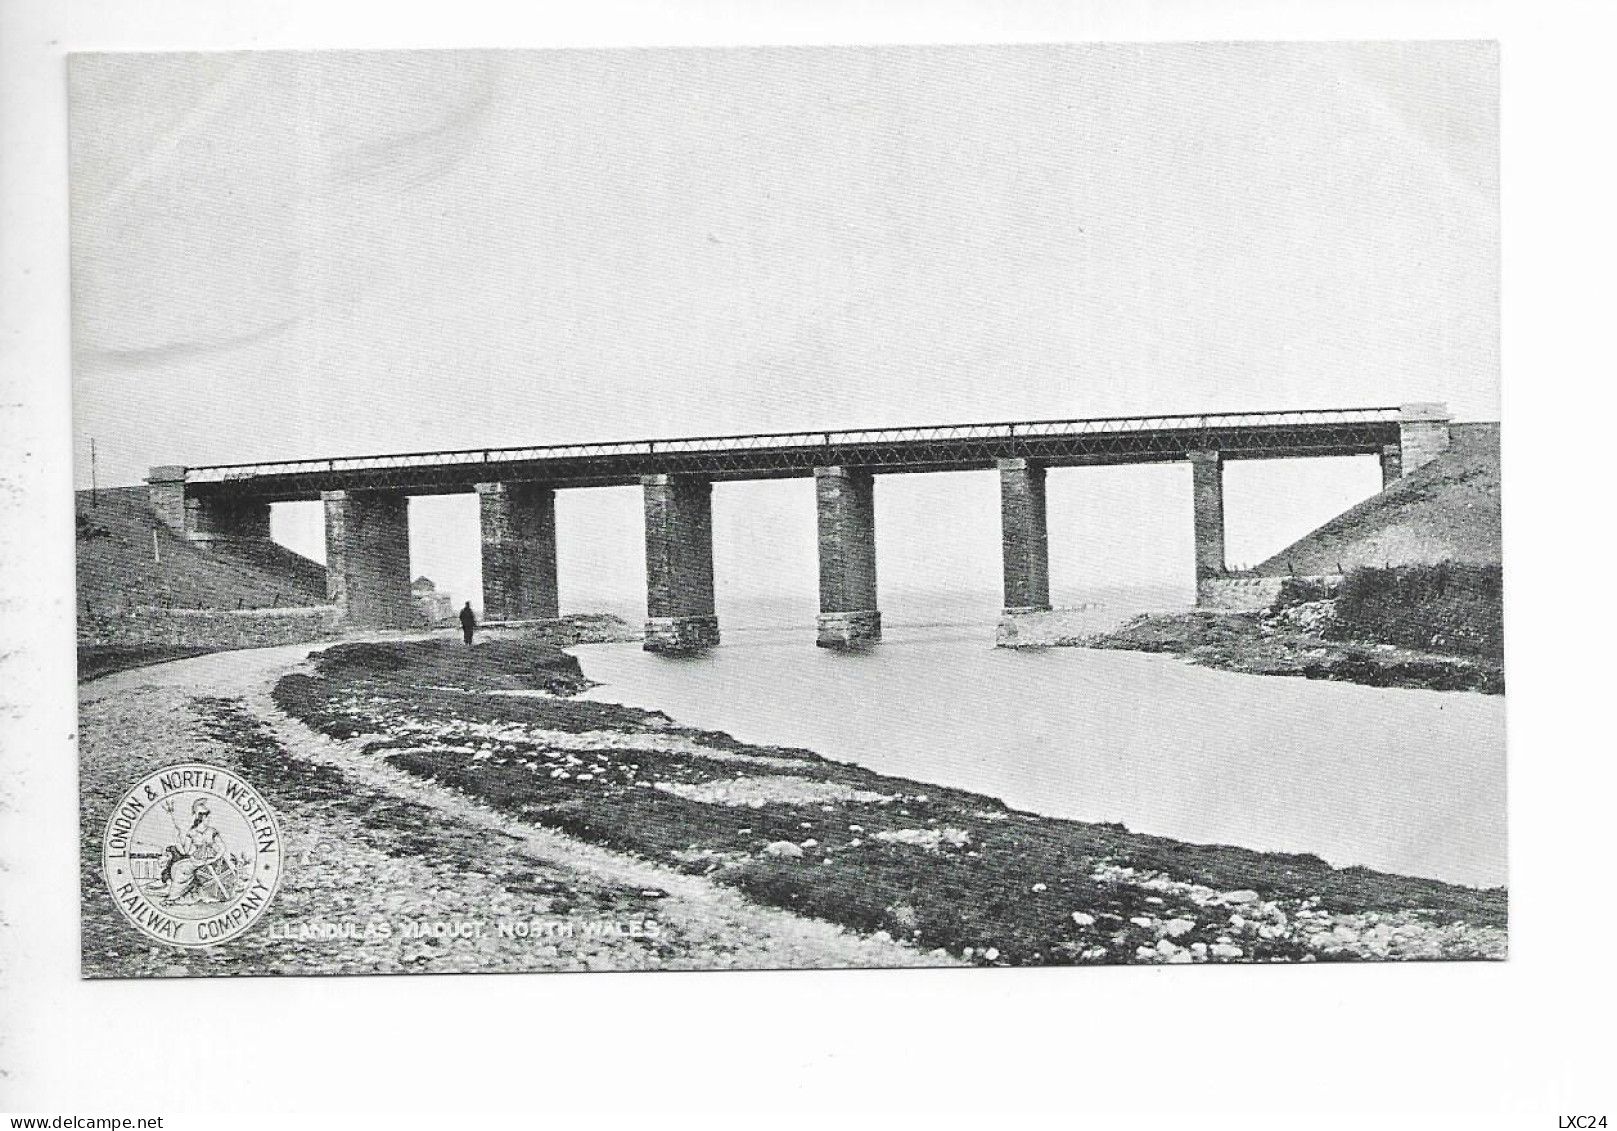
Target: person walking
x=468 y=622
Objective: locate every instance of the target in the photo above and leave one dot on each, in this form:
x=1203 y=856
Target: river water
x=1403 y=781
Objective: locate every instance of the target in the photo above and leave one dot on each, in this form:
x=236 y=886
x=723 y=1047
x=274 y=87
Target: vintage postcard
x=788 y=508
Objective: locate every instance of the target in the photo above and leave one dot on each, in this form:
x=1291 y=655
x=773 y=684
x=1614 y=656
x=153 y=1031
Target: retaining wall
x=1249 y=594
x=209 y=628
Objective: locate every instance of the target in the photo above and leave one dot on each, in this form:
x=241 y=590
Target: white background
x=1530 y=1035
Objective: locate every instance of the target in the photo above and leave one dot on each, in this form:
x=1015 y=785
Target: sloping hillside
x=118 y=568
x=1445 y=511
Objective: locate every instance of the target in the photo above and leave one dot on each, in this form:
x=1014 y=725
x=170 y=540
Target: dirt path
x=375 y=856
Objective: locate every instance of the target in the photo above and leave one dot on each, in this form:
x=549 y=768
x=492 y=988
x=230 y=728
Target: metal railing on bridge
x=1285 y=432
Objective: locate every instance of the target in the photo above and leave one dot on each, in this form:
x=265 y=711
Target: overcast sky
x=291 y=255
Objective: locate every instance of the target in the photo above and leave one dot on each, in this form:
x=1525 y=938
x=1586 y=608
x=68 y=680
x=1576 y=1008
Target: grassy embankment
x=1438 y=627
x=126 y=559
x=1446 y=511
x=1420 y=603
x=935 y=867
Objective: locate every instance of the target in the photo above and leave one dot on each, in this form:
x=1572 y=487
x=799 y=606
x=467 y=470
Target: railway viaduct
x=367 y=502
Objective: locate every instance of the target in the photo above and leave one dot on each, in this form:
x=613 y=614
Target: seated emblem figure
x=199 y=867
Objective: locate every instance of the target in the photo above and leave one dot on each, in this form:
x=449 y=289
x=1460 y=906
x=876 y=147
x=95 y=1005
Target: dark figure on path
x=468 y=622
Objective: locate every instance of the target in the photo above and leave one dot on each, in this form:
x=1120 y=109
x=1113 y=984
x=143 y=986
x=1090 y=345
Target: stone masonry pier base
x=681 y=634
x=849 y=630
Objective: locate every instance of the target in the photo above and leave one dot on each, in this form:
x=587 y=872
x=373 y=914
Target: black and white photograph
x=637 y=510
x=929 y=509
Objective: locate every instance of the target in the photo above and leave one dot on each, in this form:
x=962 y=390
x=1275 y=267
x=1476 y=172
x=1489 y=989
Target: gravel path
x=388 y=874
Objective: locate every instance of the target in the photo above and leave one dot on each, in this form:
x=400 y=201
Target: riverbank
x=950 y=874
x=1437 y=627
x=1286 y=645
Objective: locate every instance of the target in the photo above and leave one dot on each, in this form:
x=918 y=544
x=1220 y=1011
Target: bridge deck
x=946 y=447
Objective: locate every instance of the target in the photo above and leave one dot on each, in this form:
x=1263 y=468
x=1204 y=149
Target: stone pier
x=845 y=503
x=679 y=564
x=368 y=557
x=1024 y=538
x=1392 y=464
x=205 y=518
x=519 y=551
x=1207 y=500
x=165 y=490
x=1423 y=434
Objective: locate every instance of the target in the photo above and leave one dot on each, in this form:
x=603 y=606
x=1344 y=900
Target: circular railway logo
x=192 y=855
